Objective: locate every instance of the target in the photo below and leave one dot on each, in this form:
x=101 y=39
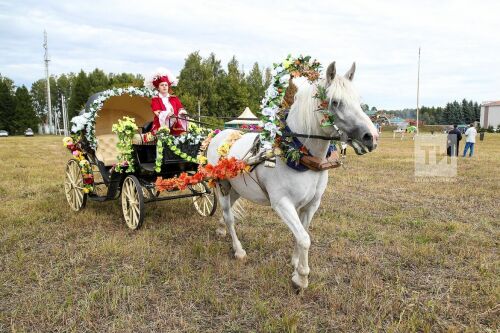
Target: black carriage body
x=171 y=163
x=145 y=158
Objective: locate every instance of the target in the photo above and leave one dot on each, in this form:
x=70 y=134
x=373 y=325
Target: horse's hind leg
x=221 y=229
x=226 y=202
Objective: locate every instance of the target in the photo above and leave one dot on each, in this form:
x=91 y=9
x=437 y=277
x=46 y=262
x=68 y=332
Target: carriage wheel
x=132 y=202
x=73 y=186
x=206 y=204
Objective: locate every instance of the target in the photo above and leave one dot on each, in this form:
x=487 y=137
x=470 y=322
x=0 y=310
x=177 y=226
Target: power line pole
x=64 y=115
x=418 y=85
x=49 y=106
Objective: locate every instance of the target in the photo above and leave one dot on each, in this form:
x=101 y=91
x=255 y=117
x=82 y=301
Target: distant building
x=490 y=114
x=399 y=122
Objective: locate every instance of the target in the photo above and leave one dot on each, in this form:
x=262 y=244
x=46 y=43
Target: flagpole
x=418 y=86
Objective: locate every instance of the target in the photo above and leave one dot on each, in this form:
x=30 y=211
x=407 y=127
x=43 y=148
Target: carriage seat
x=106 y=151
x=106 y=147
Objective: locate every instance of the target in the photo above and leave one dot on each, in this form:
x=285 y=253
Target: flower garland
x=85 y=123
x=125 y=129
x=272 y=104
x=226 y=168
x=85 y=167
x=193 y=137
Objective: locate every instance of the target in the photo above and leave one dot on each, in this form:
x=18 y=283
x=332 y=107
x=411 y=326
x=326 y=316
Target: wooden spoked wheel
x=73 y=186
x=132 y=202
x=205 y=204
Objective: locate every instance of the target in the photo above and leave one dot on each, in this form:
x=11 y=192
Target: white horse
x=295 y=195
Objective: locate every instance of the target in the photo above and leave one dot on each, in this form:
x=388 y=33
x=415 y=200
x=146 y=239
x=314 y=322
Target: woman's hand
x=157 y=113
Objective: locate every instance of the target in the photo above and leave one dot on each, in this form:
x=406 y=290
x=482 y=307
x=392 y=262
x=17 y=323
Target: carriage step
x=98 y=198
x=148 y=166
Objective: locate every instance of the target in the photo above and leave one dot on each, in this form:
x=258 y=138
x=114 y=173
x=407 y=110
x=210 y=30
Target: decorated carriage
x=115 y=156
x=284 y=165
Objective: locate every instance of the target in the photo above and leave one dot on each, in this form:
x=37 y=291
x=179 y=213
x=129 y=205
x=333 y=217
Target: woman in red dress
x=167 y=108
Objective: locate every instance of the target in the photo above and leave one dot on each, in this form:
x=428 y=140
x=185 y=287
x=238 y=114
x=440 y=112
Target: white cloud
x=459 y=39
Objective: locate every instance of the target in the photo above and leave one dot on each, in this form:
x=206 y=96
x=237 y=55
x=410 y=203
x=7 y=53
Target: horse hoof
x=240 y=255
x=299 y=282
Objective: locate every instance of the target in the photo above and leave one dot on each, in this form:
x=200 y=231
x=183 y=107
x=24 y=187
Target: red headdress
x=159 y=76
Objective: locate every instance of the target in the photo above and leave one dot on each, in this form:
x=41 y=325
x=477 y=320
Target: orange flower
x=226 y=168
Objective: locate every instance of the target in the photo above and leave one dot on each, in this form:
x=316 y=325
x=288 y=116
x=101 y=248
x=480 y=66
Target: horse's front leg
x=306 y=214
x=286 y=210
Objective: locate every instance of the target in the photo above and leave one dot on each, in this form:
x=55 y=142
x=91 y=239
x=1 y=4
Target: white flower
x=79 y=122
x=285 y=78
x=271 y=92
x=271 y=128
x=270 y=112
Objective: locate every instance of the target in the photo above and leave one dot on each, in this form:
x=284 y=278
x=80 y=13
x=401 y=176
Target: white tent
x=243 y=119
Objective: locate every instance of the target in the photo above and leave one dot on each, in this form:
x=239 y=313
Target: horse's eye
x=335 y=104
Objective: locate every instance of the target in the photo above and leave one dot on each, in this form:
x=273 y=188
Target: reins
x=285 y=134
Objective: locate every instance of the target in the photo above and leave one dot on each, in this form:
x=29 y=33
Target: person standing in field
x=470 y=140
x=454 y=137
x=343 y=148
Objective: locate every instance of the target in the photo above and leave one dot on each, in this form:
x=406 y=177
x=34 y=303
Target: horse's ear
x=350 y=73
x=330 y=73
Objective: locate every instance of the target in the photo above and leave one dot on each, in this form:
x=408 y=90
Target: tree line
x=464 y=112
x=204 y=82
x=219 y=91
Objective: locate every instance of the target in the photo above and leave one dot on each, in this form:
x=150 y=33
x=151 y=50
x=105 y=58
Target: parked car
x=28 y=132
x=4 y=133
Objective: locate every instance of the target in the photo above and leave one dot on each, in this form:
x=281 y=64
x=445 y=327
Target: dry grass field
x=388 y=254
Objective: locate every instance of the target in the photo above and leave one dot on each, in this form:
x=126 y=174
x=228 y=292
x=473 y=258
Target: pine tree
x=98 y=81
x=79 y=94
x=24 y=116
x=456 y=113
x=477 y=111
x=467 y=112
x=7 y=105
x=447 y=115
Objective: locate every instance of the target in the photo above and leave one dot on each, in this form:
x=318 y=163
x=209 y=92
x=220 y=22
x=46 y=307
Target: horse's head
x=345 y=106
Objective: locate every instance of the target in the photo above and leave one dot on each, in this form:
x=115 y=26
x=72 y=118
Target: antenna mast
x=49 y=105
x=418 y=85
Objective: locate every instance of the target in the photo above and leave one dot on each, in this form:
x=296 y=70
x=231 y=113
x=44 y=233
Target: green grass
x=388 y=254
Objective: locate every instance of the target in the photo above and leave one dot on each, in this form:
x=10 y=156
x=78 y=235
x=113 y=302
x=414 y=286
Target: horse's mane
x=341 y=89
x=303 y=109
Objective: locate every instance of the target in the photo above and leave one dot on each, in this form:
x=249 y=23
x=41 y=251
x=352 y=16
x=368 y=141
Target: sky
x=459 y=40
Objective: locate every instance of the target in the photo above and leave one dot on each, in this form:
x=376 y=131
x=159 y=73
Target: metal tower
x=49 y=106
